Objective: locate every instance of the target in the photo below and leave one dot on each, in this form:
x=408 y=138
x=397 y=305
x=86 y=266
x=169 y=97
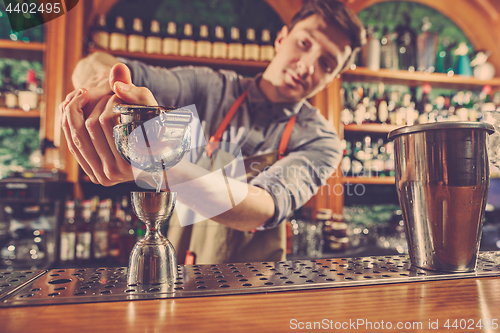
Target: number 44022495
x=32 y=8
x=470 y=324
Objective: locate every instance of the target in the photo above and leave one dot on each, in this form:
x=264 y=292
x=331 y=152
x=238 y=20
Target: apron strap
x=285 y=137
x=215 y=139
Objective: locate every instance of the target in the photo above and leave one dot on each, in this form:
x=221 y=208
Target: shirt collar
x=258 y=102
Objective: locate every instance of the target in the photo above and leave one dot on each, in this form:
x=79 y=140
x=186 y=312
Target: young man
x=320 y=43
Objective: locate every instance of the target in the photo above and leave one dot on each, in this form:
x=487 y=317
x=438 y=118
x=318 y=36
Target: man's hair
x=340 y=16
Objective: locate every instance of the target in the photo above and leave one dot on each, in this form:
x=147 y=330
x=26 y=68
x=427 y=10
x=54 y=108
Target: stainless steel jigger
x=153 y=259
x=152 y=139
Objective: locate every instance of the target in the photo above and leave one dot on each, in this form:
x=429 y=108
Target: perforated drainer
x=110 y=284
x=10 y=281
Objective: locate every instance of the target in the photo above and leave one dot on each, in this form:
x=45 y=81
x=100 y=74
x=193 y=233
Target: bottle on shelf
x=345 y=164
x=127 y=232
x=251 y=49
x=187 y=45
x=463 y=61
x=101 y=231
x=83 y=252
x=235 y=47
x=381 y=105
x=9 y=90
x=118 y=38
x=389 y=159
x=136 y=40
x=427 y=43
x=171 y=41
x=114 y=229
x=373 y=57
x=28 y=97
x=154 y=41
x=378 y=161
x=67 y=235
x=406 y=44
x=219 y=48
x=388 y=50
x=357 y=159
x=203 y=44
x=444 y=55
x=100 y=34
x=367 y=156
x=266 y=46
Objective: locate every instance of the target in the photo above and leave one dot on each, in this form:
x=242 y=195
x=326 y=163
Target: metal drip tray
x=10 y=281
x=110 y=284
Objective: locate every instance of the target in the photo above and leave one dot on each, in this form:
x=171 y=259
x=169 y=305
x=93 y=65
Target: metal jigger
x=152 y=139
x=152 y=259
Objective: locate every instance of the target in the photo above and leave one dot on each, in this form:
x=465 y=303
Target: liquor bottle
x=187 y=45
x=406 y=44
x=136 y=41
x=101 y=231
x=114 y=228
x=127 y=232
x=153 y=42
x=68 y=235
x=377 y=164
x=444 y=59
x=83 y=252
x=427 y=43
x=266 y=46
x=345 y=164
x=388 y=50
x=28 y=97
x=251 y=48
x=367 y=156
x=9 y=90
x=219 y=48
x=389 y=159
x=118 y=38
x=381 y=105
x=100 y=34
x=356 y=159
x=171 y=42
x=203 y=44
x=373 y=61
x=235 y=48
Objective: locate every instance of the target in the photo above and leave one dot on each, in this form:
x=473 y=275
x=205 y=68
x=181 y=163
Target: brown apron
x=209 y=242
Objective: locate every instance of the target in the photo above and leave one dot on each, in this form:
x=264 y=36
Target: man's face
x=307 y=59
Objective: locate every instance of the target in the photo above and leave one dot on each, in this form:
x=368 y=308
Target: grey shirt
x=313 y=151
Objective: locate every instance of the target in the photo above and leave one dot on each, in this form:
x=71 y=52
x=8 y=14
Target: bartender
x=267 y=117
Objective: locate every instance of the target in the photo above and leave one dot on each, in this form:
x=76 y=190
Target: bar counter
x=470 y=299
x=361 y=294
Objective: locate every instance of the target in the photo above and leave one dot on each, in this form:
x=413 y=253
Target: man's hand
x=87 y=121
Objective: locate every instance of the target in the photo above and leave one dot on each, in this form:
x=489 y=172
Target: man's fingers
x=120 y=72
x=81 y=138
x=108 y=121
x=71 y=145
x=99 y=141
x=131 y=94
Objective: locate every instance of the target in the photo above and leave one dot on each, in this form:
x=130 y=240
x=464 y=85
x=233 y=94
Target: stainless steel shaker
x=442 y=180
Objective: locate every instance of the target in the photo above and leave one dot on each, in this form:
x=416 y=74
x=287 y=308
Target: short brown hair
x=337 y=14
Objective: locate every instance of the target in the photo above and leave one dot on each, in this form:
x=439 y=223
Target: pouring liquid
x=158 y=178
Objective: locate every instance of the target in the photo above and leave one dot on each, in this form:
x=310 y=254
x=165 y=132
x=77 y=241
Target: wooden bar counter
x=429 y=303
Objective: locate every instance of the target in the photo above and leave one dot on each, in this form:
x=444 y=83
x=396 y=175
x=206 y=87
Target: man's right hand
x=87 y=120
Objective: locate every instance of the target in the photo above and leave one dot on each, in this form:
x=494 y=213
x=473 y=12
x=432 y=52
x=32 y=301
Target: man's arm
x=207 y=193
x=91 y=141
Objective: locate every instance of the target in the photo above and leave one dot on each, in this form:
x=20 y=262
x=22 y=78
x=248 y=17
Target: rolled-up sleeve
x=294 y=179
